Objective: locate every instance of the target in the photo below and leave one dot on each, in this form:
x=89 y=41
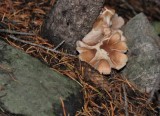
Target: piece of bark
x=143 y=67
x=71 y=20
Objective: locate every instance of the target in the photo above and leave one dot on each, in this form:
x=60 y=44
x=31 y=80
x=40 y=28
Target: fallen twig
x=33 y=44
x=15 y=32
x=58 y=45
x=125 y=100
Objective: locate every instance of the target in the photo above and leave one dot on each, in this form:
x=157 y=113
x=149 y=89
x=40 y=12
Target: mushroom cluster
x=104 y=46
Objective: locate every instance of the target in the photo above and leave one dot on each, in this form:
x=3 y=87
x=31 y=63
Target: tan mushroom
x=100 y=28
x=107 y=54
x=103 y=26
x=104 y=51
x=115 y=46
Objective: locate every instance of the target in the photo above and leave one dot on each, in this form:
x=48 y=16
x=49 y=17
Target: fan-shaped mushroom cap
x=117 y=22
x=104 y=19
x=103 y=67
x=93 y=37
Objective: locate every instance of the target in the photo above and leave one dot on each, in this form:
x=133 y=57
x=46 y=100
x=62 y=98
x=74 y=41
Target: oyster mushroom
x=105 y=54
x=104 y=46
x=106 y=22
x=101 y=25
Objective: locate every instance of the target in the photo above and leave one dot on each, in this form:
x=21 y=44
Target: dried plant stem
x=33 y=44
x=125 y=100
x=15 y=32
x=62 y=103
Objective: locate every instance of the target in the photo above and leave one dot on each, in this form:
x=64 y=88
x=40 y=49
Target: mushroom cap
x=104 y=18
x=117 y=22
x=103 y=66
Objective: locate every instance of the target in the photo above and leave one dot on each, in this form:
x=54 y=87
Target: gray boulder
x=30 y=88
x=71 y=20
x=143 y=67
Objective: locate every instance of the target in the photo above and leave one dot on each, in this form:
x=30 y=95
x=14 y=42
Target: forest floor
x=103 y=95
